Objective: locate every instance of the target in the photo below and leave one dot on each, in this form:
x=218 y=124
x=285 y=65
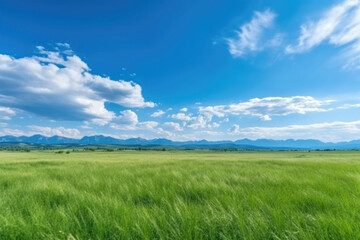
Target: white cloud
x=214 y=125
x=182 y=116
x=265 y=118
x=59 y=131
x=340 y=26
x=184 y=109
x=59 y=86
x=158 y=113
x=193 y=122
x=348 y=106
x=6 y=113
x=198 y=122
x=65 y=45
x=86 y=125
x=127 y=120
x=328 y=131
x=264 y=108
x=164 y=133
x=225 y=120
x=250 y=37
x=173 y=126
x=235 y=129
x=12 y=132
x=148 y=125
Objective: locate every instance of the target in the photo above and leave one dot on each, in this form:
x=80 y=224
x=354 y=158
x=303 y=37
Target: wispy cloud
x=158 y=113
x=348 y=106
x=339 y=26
x=42 y=130
x=12 y=132
x=265 y=108
x=6 y=113
x=58 y=131
x=250 y=36
x=327 y=131
x=262 y=108
x=173 y=126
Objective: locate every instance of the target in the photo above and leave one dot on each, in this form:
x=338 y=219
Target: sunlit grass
x=180 y=195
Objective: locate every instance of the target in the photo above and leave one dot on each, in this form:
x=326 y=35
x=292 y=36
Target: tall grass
x=180 y=195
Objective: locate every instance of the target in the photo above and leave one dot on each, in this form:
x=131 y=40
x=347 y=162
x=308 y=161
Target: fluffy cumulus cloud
x=127 y=120
x=182 y=116
x=327 y=132
x=265 y=108
x=58 y=85
x=197 y=121
x=191 y=121
x=253 y=36
x=339 y=26
x=6 y=113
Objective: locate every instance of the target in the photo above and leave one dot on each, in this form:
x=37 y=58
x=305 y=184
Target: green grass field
x=180 y=195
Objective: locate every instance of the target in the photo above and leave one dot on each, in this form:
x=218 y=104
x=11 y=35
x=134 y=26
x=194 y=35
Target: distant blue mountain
x=201 y=144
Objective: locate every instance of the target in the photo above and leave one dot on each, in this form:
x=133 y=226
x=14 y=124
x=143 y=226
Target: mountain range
x=201 y=144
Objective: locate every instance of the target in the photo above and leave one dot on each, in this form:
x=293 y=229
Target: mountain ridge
x=242 y=143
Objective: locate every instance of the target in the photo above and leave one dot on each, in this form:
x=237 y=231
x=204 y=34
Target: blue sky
x=181 y=70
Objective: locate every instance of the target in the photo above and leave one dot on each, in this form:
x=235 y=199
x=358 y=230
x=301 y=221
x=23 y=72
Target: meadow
x=179 y=195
